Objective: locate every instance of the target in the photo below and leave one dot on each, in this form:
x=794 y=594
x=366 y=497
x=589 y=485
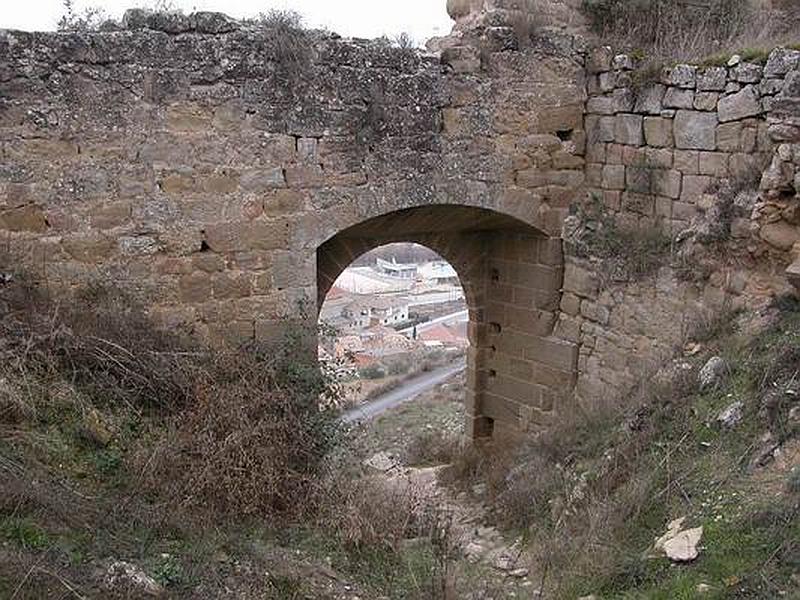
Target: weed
x=432 y=448
x=672 y=31
x=627 y=253
x=24 y=532
x=167 y=571
x=108 y=462
x=285 y=587
x=87 y=20
x=290 y=43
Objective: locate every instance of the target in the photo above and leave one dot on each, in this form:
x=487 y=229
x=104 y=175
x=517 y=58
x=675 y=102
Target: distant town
x=396 y=310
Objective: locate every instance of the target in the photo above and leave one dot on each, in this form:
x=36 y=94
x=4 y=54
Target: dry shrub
x=627 y=253
x=244 y=432
x=433 y=448
x=98 y=340
x=372 y=513
x=290 y=43
x=392 y=529
x=253 y=441
x=668 y=31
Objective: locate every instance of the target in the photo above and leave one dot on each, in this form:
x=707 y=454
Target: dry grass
x=290 y=43
x=231 y=431
x=628 y=253
x=665 y=32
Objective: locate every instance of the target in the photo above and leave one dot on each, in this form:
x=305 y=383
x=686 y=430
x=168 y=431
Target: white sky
x=421 y=19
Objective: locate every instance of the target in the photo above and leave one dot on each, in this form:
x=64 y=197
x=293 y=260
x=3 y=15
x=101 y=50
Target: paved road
x=462 y=315
x=408 y=390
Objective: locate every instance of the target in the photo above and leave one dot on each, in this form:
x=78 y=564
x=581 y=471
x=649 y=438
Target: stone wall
x=195 y=163
x=708 y=155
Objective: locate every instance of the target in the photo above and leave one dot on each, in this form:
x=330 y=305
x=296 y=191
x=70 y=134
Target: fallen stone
x=731 y=416
x=127 y=577
x=95 y=430
x=682 y=547
x=382 y=461
x=712 y=372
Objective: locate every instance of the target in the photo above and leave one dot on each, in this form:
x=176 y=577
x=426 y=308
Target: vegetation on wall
x=664 y=32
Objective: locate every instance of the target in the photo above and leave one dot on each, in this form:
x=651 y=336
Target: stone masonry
x=193 y=162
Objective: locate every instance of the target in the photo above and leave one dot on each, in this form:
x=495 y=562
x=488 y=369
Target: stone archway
x=517 y=372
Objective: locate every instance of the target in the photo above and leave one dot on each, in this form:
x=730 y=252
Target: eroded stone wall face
x=709 y=155
x=194 y=163
x=191 y=162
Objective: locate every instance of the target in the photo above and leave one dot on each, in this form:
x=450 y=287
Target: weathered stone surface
x=791 y=86
x=658 y=132
x=679 y=98
x=781 y=61
x=629 y=129
x=729 y=136
x=740 y=105
x=747 y=73
x=614 y=177
x=24 y=218
x=780 y=234
x=712 y=79
x=600 y=59
x=666 y=183
x=706 y=100
x=650 y=99
x=695 y=130
x=684 y=76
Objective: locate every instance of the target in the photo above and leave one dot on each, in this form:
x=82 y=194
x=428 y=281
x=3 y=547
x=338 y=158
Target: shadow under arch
x=511 y=273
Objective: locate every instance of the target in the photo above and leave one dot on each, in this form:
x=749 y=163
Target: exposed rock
x=679 y=545
x=127 y=578
x=712 y=372
x=731 y=416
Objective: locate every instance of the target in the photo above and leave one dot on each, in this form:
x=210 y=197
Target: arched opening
x=393 y=326
x=511 y=273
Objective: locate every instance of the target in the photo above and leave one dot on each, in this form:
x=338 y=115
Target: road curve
x=408 y=390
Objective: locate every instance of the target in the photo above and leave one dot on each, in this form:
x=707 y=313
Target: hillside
x=575 y=511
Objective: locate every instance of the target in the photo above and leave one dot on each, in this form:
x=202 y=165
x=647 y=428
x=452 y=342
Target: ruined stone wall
x=709 y=156
x=193 y=161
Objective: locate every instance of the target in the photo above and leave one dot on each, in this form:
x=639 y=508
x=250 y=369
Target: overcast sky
x=422 y=19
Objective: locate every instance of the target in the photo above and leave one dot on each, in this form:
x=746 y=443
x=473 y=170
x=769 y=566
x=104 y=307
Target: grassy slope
x=70 y=505
x=684 y=464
